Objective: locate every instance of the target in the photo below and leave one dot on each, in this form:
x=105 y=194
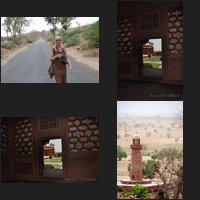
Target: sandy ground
x=79 y=56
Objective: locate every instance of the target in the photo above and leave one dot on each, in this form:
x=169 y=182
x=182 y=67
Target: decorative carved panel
x=22 y=135
x=124 y=36
x=48 y=122
x=4 y=135
x=149 y=21
x=175 y=26
x=83 y=134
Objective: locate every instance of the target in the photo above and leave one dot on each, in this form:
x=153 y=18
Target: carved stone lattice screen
x=175 y=26
x=49 y=122
x=4 y=136
x=83 y=134
x=22 y=130
x=149 y=21
x=124 y=39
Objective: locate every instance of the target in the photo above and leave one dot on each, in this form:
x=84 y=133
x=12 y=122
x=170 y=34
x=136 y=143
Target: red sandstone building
x=48 y=150
x=22 y=148
x=148 y=49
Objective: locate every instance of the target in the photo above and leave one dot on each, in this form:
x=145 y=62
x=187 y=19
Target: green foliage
x=144 y=147
x=170 y=154
x=160 y=58
x=147 y=65
x=3 y=39
x=50 y=157
x=72 y=41
x=66 y=22
x=120 y=153
x=92 y=34
x=146 y=153
x=149 y=55
x=15 y=40
x=129 y=168
x=154 y=156
x=139 y=191
x=48 y=166
x=148 y=169
x=7 y=45
x=74 y=32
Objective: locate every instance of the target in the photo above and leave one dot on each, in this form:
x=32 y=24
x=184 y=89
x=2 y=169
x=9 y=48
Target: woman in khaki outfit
x=59 y=59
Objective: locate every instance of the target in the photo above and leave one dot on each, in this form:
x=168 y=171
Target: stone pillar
x=136 y=159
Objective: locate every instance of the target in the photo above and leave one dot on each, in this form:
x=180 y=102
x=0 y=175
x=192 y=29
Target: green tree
x=120 y=153
x=148 y=168
x=53 y=21
x=21 y=22
x=15 y=25
x=66 y=22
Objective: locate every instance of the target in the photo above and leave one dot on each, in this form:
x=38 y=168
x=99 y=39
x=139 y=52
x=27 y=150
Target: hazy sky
x=38 y=23
x=157 y=44
x=57 y=143
x=149 y=107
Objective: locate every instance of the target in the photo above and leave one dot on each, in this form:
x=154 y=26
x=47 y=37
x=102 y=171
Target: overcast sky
x=38 y=23
x=149 y=107
x=57 y=143
x=157 y=44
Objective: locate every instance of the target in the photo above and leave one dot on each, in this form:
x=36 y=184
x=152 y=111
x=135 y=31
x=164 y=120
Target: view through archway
x=152 y=59
x=52 y=158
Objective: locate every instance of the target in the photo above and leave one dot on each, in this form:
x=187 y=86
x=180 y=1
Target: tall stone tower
x=136 y=159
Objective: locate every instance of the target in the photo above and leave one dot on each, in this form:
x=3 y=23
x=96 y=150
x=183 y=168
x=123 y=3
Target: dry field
x=158 y=139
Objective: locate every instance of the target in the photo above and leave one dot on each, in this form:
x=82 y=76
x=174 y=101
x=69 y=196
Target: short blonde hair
x=58 y=37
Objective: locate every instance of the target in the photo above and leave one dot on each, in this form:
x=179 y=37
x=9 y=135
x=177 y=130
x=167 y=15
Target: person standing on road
x=59 y=59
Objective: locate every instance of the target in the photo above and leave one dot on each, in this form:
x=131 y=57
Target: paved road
x=31 y=65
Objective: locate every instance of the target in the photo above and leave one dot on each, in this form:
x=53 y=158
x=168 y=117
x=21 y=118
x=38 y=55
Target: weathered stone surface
x=172 y=19
x=94 y=149
x=19 y=149
x=73 y=128
x=93 y=126
x=74 y=150
x=77 y=122
x=172 y=30
x=29 y=134
x=29 y=144
x=22 y=144
x=82 y=128
x=26 y=139
x=173 y=41
x=78 y=134
x=83 y=139
x=171 y=46
x=94 y=138
x=89 y=145
x=73 y=139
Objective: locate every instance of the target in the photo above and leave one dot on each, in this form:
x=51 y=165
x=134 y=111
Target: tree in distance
x=120 y=153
